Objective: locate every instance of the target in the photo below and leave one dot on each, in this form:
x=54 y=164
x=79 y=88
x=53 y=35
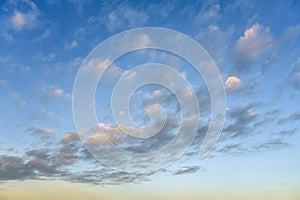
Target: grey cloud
x=285 y=133
x=20 y=168
x=233 y=149
x=243 y=115
x=187 y=170
x=274 y=144
x=105 y=175
x=292 y=118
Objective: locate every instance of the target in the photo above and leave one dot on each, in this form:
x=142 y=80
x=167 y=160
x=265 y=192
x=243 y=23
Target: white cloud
x=232 y=84
x=18 y=20
x=253 y=44
x=60 y=93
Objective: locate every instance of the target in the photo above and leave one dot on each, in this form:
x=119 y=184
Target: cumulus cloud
x=250 y=47
x=233 y=84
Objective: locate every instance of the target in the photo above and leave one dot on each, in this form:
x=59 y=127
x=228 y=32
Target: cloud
x=233 y=84
x=233 y=149
x=290 y=119
x=41 y=115
x=70 y=137
x=294 y=75
x=57 y=164
x=125 y=17
x=20 y=168
x=37 y=129
x=17 y=99
x=60 y=93
x=215 y=40
x=71 y=45
x=97 y=66
x=48 y=93
x=27 y=19
x=208 y=14
x=242 y=115
x=187 y=170
x=46 y=34
x=274 y=144
x=251 y=46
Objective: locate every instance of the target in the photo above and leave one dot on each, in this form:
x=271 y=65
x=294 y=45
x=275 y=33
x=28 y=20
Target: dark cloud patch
x=107 y=176
x=187 y=170
x=233 y=149
x=243 y=116
x=274 y=144
x=292 y=118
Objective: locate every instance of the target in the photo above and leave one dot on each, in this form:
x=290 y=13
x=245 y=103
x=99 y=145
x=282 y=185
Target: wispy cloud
x=26 y=18
x=294 y=75
x=125 y=16
x=37 y=129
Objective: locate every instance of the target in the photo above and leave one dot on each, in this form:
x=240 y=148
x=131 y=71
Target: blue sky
x=255 y=45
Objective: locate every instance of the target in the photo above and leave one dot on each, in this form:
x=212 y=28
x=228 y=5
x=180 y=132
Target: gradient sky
x=255 y=45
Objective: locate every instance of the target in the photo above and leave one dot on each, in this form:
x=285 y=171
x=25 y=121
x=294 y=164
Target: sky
x=46 y=44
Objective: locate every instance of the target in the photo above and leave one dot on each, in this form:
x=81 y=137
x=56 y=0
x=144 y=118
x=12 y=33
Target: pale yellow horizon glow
x=58 y=190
